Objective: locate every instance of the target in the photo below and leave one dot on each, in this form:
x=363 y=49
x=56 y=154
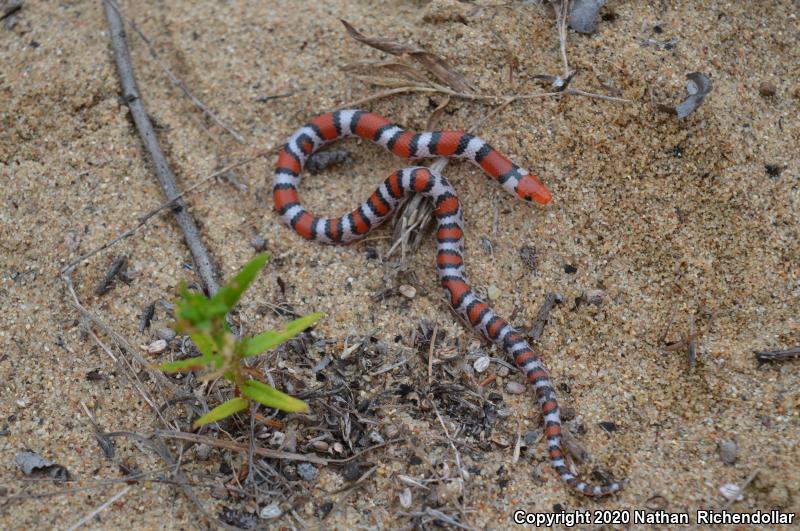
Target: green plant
x=203 y=320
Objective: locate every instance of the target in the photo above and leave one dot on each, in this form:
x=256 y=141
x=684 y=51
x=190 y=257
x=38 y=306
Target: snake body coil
x=329 y=127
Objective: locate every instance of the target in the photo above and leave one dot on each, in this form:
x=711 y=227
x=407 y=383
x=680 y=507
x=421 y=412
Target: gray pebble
x=167 y=334
x=583 y=15
x=728 y=451
x=307 y=471
x=258 y=243
x=202 y=451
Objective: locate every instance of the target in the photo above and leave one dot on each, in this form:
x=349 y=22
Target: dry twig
x=765 y=356
x=550 y=301
x=130 y=93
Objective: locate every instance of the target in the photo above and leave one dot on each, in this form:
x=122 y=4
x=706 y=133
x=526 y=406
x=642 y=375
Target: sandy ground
x=670 y=219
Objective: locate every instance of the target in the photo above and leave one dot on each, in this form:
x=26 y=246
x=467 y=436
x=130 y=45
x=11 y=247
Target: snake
x=385 y=200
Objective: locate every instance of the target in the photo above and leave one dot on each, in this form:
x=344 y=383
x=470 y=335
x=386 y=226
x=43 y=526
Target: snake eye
x=530 y=188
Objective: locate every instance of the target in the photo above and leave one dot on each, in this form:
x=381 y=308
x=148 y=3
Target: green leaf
x=272 y=338
x=225 y=409
x=229 y=294
x=187 y=365
x=271 y=397
x=204 y=343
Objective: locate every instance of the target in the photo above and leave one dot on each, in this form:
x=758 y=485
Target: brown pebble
x=219 y=493
x=320 y=446
x=767 y=89
x=391 y=431
x=407 y=291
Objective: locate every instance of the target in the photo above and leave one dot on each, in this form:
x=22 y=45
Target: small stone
x=567 y=413
x=504 y=412
x=405 y=498
x=270 y=511
x=481 y=364
x=493 y=292
x=531 y=437
x=167 y=334
x=258 y=243
x=351 y=472
x=376 y=437
x=407 y=291
x=320 y=446
x=728 y=451
x=515 y=388
x=594 y=296
x=731 y=492
x=202 y=451
x=391 y=431
x=219 y=492
x=157 y=347
x=773 y=170
x=767 y=89
x=503 y=371
x=607 y=426
x=278 y=437
x=338 y=448
x=307 y=471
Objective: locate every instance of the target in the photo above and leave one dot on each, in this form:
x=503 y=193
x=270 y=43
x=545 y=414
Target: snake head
x=530 y=188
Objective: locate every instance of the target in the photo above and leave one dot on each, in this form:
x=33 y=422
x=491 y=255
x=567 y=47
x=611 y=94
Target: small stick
x=550 y=300
x=117 y=267
x=489 y=379
x=147 y=315
x=130 y=93
x=464 y=474
x=430 y=353
x=10 y=8
x=765 y=356
x=561 y=13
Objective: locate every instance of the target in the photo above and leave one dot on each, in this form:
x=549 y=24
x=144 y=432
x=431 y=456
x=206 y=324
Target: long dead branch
x=130 y=92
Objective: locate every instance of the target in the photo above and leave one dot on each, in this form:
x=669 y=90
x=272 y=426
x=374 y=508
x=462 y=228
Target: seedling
x=203 y=320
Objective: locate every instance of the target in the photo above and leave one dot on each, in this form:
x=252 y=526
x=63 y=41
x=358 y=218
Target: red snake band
x=332 y=126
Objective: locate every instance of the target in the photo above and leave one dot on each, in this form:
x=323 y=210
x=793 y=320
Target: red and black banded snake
x=332 y=126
